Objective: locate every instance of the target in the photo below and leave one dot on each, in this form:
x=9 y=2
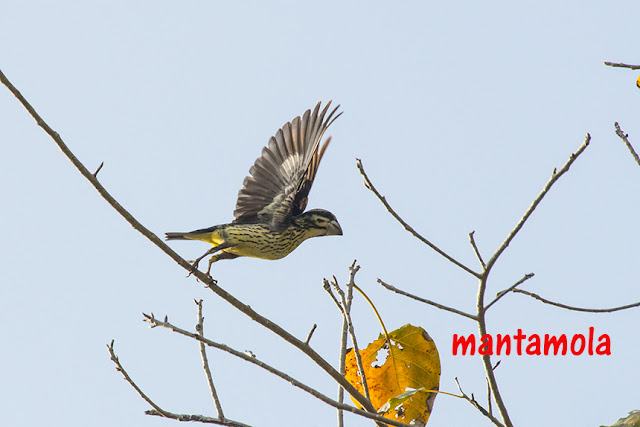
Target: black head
x=324 y=223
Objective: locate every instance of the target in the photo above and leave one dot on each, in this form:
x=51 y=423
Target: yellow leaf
x=412 y=362
x=638 y=82
x=633 y=420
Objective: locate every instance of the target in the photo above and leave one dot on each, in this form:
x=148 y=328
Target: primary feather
x=280 y=179
x=270 y=221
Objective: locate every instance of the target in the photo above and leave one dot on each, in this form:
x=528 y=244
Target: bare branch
x=153 y=322
x=555 y=176
x=353 y=269
x=92 y=179
x=472 y=240
x=327 y=287
x=489 y=396
x=126 y=376
x=346 y=316
x=621 y=65
x=95 y=174
x=426 y=301
x=486 y=359
x=354 y=341
x=479 y=407
x=205 y=362
x=625 y=139
x=509 y=289
x=369 y=185
x=313 y=328
x=207 y=280
x=344 y=332
x=482 y=285
x=158 y=410
x=197 y=418
x=568 y=307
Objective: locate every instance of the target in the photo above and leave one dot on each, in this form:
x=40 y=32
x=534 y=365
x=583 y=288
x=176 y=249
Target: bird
x=270 y=220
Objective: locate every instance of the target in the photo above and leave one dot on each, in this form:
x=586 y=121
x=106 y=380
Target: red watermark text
x=533 y=345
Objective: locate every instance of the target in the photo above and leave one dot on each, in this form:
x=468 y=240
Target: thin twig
x=154 y=322
x=158 y=410
x=353 y=269
x=205 y=362
x=346 y=312
x=509 y=289
x=489 y=397
x=343 y=348
x=426 y=301
x=621 y=65
x=327 y=287
x=472 y=240
x=555 y=176
x=568 y=307
x=369 y=185
x=196 y=418
x=126 y=376
x=354 y=341
x=313 y=328
x=95 y=174
x=625 y=138
x=207 y=280
x=344 y=334
x=479 y=407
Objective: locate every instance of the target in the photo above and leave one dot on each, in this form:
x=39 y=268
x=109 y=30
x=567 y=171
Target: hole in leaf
x=381 y=357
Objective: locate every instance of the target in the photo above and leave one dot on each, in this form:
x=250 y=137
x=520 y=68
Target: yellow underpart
x=256 y=240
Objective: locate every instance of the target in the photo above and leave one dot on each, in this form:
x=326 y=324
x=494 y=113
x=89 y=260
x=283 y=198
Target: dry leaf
x=399 y=377
x=633 y=420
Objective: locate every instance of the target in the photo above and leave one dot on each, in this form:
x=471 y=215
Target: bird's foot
x=194 y=264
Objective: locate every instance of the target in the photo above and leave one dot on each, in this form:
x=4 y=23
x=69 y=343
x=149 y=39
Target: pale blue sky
x=459 y=111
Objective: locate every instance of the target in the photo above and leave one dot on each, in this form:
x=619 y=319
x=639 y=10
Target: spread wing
x=281 y=178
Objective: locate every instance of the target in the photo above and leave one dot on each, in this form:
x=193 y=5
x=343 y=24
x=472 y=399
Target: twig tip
x=95 y=174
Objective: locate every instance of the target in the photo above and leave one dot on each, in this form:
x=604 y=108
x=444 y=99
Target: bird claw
x=194 y=266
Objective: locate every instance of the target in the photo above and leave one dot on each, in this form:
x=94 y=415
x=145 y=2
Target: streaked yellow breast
x=256 y=240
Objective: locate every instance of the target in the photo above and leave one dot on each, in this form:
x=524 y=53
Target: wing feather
x=279 y=182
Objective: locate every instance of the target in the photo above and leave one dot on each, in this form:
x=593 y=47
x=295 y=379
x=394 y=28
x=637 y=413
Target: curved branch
x=625 y=138
x=161 y=412
x=205 y=363
x=472 y=400
x=621 y=65
x=472 y=240
x=509 y=289
x=253 y=360
x=426 y=301
x=482 y=285
x=555 y=176
x=569 y=307
x=207 y=280
x=369 y=185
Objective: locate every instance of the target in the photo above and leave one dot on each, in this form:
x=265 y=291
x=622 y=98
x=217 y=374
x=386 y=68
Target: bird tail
x=176 y=236
x=202 y=234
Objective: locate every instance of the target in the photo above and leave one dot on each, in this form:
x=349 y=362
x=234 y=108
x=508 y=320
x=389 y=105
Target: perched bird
x=270 y=221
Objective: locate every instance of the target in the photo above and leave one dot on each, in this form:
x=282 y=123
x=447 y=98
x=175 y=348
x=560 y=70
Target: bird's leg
x=194 y=264
x=222 y=255
x=211 y=261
